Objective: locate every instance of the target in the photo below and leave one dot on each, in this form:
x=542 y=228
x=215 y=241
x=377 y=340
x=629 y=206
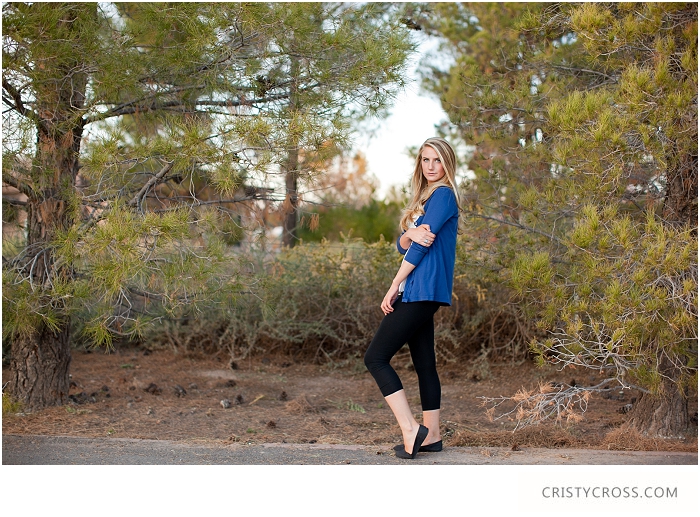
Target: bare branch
x=155 y=179
x=549 y=400
x=131 y=108
x=609 y=78
x=18 y=184
x=18 y=105
x=517 y=225
x=12 y=201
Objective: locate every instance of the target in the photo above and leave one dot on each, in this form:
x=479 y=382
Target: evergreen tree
x=133 y=130
x=585 y=118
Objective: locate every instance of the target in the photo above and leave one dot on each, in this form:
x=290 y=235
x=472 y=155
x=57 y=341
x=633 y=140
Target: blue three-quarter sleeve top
x=431 y=280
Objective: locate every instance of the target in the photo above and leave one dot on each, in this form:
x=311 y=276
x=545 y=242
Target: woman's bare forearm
x=421 y=234
x=393 y=292
x=405 y=241
x=403 y=272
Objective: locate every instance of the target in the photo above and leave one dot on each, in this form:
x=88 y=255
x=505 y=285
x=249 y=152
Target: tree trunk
x=289 y=236
x=681 y=200
x=664 y=414
x=291 y=201
x=39 y=368
x=40 y=357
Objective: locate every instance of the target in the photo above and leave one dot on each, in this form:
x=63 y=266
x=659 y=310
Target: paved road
x=62 y=450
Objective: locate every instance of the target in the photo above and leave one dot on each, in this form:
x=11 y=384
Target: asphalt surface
x=63 y=450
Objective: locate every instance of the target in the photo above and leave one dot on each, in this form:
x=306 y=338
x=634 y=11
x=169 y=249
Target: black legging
x=410 y=323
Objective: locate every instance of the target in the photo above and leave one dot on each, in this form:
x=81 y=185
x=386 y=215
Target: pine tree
x=585 y=118
x=135 y=130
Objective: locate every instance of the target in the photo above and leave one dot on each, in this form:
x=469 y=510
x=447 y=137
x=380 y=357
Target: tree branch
x=130 y=109
x=13 y=201
x=585 y=70
x=155 y=179
x=517 y=225
x=276 y=97
x=19 y=185
x=19 y=106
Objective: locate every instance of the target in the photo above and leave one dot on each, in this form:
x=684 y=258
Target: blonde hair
x=421 y=190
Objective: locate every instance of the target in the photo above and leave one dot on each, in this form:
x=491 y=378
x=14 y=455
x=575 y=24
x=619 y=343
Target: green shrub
x=320 y=302
x=10 y=405
x=369 y=222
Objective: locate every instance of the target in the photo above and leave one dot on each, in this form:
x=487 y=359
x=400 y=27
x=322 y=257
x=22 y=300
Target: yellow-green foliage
x=589 y=244
x=10 y=405
x=159 y=126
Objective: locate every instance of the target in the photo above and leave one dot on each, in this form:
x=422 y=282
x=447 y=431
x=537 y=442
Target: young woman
x=422 y=284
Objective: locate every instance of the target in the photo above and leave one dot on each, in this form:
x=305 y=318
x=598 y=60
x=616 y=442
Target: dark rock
x=233 y=364
x=625 y=409
x=271 y=424
x=179 y=390
x=230 y=383
x=239 y=399
x=283 y=396
x=153 y=389
x=80 y=398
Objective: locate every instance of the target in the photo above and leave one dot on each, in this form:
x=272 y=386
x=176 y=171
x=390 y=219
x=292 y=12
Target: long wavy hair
x=421 y=190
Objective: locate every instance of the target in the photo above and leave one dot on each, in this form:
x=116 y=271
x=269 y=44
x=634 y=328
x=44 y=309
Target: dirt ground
x=136 y=393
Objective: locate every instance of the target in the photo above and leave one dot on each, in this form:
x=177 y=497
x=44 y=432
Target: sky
x=412 y=121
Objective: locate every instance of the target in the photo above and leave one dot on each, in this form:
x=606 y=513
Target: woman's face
x=432 y=166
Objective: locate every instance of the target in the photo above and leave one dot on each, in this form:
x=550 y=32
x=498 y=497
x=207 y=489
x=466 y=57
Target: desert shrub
x=320 y=302
x=323 y=299
x=485 y=323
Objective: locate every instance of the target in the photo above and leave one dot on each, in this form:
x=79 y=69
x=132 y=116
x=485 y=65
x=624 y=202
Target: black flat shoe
x=433 y=447
x=420 y=438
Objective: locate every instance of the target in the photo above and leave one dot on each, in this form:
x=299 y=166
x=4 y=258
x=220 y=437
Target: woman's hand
x=421 y=235
x=389 y=299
